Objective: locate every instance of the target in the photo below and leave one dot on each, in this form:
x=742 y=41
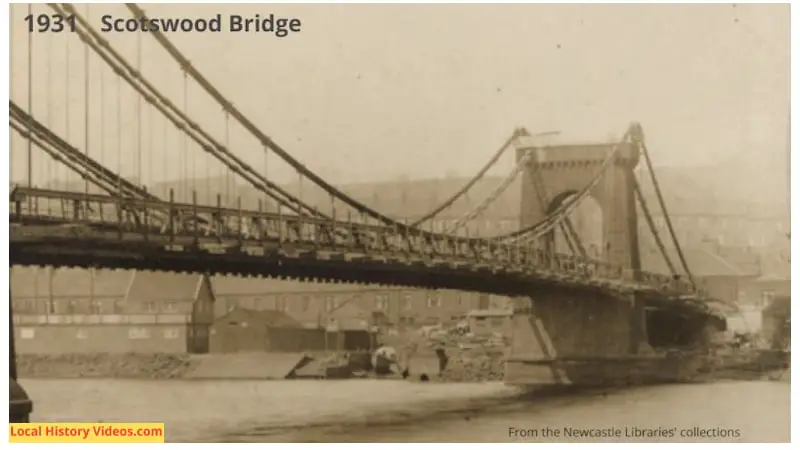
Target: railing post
x=119 y=218
x=332 y=231
x=280 y=226
x=364 y=239
x=195 y=222
x=316 y=230
x=350 y=241
x=219 y=220
x=171 y=215
x=407 y=238
x=239 y=220
x=146 y=217
x=261 y=221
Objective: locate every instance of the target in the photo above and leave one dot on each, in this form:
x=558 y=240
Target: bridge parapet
x=42 y=216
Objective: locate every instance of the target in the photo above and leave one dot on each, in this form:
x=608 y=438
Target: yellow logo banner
x=105 y=433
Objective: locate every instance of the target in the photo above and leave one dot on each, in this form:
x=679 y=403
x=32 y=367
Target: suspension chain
x=499 y=190
x=540 y=229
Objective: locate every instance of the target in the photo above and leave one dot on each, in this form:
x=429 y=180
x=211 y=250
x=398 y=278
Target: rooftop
x=37 y=282
x=163 y=286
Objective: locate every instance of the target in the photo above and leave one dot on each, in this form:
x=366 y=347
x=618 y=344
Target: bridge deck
x=76 y=229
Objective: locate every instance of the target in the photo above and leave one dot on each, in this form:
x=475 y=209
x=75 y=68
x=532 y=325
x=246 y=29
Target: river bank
x=105 y=365
x=466 y=366
x=461 y=368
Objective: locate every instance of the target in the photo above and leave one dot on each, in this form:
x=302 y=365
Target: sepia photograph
x=399 y=223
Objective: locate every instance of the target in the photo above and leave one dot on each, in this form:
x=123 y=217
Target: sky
x=375 y=92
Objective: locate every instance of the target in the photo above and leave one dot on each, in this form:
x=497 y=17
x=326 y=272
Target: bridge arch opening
x=586 y=221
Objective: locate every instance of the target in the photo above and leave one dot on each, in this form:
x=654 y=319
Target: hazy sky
x=369 y=92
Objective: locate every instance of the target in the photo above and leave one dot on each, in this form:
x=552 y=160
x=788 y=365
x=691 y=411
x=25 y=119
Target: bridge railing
x=666 y=282
x=169 y=221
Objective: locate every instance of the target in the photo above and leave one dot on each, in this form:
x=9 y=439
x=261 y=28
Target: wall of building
x=100 y=338
x=145 y=309
x=62 y=304
x=760 y=292
x=225 y=337
x=724 y=287
x=68 y=305
x=401 y=307
x=233 y=338
x=727 y=230
x=772 y=288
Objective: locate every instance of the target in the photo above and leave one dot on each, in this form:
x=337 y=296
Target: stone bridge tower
x=560 y=170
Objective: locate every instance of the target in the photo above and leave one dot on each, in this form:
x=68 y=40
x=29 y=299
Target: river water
x=398 y=411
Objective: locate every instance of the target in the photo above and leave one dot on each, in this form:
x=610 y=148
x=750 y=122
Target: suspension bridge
x=572 y=307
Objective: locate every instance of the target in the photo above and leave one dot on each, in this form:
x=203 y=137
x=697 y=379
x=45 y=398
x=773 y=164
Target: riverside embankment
x=466 y=366
x=227 y=366
x=78 y=365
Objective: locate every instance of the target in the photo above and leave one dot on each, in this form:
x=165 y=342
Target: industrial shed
x=246 y=330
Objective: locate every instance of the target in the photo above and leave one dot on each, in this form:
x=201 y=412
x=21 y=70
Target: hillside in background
x=738 y=186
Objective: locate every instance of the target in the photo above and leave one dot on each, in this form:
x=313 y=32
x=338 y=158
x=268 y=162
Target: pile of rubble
x=467 y=341
x=471 y=366
x=470 y=357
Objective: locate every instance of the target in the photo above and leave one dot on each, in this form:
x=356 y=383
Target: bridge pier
x=638 y=327
x=567 y=337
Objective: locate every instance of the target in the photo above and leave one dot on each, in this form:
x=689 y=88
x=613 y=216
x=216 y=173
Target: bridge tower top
x=558 y=169
x=549 y=150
